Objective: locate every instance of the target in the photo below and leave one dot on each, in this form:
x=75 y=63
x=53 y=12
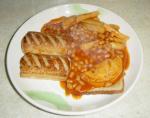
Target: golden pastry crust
x=39 y=43
x=44 y=66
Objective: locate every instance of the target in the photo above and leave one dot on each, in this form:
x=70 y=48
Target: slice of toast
x=118 y=87
x=44 y=66
x=39 y=43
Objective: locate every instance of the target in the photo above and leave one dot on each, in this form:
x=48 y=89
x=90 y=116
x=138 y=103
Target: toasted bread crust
x=63 y=36
x=105 y=92
x=112 y=91
x=43 y=65
x=39 y=43
x=43 y=77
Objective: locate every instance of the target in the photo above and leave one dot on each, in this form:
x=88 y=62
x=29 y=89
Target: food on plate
x=44 y=66
x=91 y=55
x=68 y=22
x=39 y=43
x=118 y=87
x=73 y=29
x=104 y=74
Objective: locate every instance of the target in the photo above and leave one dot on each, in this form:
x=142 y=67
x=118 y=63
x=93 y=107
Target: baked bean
x=90 y=65
x=83 y=76
x=74 y=85
x=84 y=69
x=101 y=42
x=71 y=74
x=81 y=62
x=107 y=56
x=86 y=61
x=78 y=88
x=69 y=81
x=79 y=80
x=76 y=58
x=101 y=36
x=69 y=85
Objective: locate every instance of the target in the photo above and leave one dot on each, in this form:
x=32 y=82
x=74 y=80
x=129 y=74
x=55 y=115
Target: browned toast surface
x=39 y=43
x=43 y=66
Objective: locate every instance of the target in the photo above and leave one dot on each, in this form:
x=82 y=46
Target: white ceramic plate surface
x=48 y=95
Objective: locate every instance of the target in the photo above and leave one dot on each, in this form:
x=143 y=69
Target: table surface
x=136 y=12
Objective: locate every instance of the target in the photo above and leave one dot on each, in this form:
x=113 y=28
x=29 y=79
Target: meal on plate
x=85 y=54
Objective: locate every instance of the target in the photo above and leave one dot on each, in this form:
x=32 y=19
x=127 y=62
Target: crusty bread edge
x=43 y=77
x=22 y=44
x=106 y=91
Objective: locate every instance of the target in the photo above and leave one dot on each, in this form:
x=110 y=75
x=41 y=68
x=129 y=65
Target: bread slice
x=44 y=66
x=39 y=43
x=118 y=87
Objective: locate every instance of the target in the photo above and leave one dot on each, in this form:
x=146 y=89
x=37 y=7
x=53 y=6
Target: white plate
x=46 y=94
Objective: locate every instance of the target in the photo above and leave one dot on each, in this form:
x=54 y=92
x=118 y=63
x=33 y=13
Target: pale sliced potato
x=69 y=21
x=87 y=16
x=96 y=28
x=116 y=27
x=58 y=20
x=96 y=18
x=72 y=20
x=93 y=22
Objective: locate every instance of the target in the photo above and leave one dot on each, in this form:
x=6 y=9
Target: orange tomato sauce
x=78 y=87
